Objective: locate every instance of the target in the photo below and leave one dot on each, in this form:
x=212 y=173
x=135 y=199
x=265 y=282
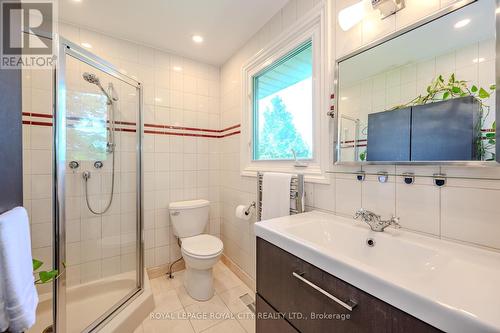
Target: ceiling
x=170 y=24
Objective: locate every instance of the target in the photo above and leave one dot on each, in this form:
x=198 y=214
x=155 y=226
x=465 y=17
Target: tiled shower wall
x=463 y=210
x=181 y=144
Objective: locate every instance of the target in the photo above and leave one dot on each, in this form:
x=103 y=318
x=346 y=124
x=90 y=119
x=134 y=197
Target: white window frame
x=312 y=26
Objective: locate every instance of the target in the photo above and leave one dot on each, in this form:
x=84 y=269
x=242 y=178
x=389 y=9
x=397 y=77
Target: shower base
x=87 y=302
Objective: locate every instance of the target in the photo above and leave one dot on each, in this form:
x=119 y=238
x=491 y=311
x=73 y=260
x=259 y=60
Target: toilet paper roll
x=240 y=213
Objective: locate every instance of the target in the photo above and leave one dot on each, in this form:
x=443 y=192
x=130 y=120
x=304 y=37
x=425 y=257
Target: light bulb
x=197 y=39
x=352 y=15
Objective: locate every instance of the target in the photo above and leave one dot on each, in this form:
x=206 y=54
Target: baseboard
x=239 y=272
x=156 y=272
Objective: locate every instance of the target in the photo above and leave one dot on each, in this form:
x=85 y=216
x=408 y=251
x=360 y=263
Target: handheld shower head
x=91 y=78
x=94 y=79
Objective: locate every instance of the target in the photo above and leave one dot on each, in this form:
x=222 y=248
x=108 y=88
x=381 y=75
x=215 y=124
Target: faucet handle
x=359 y=213
x=395 y=222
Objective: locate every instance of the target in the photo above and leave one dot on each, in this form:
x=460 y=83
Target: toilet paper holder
x=248 y=211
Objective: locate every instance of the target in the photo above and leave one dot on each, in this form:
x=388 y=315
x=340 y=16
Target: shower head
x=91 y=78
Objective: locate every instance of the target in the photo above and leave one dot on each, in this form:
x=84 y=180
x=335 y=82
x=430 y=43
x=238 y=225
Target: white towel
x=275 y=195
x=4 y=321
x=20 y=298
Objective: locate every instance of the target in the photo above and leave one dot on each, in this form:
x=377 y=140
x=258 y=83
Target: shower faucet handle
x=74 y=165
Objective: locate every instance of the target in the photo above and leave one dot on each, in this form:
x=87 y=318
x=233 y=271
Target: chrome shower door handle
x=175 y=213
x=349 y=304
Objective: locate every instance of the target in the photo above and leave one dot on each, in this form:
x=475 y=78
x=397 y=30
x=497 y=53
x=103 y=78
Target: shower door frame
x=63 y=49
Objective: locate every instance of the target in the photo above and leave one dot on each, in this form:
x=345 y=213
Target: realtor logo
x=26 y=36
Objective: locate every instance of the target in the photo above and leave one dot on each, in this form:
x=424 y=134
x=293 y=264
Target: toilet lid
x=202 y=245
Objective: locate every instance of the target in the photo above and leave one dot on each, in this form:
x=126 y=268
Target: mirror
x=424 y=96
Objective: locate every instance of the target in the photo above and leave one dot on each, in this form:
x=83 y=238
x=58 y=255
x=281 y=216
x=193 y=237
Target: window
x=283 y=107
x=285 y=100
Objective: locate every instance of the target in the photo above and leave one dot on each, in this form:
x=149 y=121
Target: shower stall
x=96 y=193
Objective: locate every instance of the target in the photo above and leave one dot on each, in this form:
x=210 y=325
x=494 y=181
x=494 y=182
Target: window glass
x=86 y=126
x=282 y=96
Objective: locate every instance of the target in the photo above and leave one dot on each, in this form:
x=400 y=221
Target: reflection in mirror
x=427 y=95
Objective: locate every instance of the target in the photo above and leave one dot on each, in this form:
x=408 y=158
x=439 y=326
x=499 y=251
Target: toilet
x=200 y=251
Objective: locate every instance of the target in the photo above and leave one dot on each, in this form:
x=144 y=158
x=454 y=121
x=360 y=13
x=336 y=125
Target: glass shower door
x=100 y=229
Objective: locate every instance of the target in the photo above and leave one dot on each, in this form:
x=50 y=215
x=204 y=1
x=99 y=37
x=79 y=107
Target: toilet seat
x=202 y=246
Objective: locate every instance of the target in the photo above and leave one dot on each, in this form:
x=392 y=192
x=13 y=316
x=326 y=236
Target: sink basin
x=389 y=256
x=443 y=283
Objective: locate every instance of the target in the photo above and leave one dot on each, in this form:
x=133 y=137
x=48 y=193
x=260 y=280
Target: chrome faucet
x=375 y=221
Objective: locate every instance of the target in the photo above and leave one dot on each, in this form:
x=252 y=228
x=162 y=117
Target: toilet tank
x=189 y=218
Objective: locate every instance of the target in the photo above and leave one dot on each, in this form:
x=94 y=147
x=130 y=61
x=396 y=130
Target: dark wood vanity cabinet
x=286 y=303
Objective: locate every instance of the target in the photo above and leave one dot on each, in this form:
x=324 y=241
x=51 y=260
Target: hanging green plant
x=42 y=277
x=442 y=90
x=362 y=156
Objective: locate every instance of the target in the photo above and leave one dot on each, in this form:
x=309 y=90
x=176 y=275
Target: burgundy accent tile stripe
x=40 y=123
x=230 y=128
x=128 y=123
x=124 y=123
x=37 y=115
x=352 y=141
x=182 y=134
x=125 y=130
x=229 y=134
x=133 y=130
x=352 y=146
x=191 y=128
x=153 y=125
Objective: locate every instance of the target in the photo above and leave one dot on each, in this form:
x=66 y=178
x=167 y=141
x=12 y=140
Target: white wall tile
x=324 y=196
x=471 y=214
x=416 y=10
x=347 y=196
x=418 y=207
x=379 y=197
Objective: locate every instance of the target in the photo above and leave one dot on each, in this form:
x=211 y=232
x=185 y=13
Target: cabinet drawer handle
x=349 y=305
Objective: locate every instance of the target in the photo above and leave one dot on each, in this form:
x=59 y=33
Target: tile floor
x=177 y=312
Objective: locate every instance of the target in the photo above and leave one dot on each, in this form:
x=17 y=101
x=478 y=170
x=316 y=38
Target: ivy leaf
x=494 y=126
x=47 y=276
x=456 y=90
x=446 y=95
x=452 y=77
x=37 y=264
x=493 y=87
x=473 y=89
x=491 y=142
x=362 y=156
x=483 y=93
x=490 y=135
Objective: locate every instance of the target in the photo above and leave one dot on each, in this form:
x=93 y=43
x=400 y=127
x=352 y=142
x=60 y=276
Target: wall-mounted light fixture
x=388 y=7
x=352 y=15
